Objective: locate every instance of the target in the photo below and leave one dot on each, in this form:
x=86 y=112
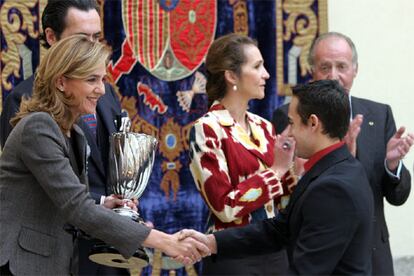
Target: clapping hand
x=398 y=146
x=353 y=132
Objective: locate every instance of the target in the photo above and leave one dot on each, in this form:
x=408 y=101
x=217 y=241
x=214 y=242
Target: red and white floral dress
x=231 y=168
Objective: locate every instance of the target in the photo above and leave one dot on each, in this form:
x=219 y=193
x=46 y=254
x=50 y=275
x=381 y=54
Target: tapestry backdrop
x=157 y=69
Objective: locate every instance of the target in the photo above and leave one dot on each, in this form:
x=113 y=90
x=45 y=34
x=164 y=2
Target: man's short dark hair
x=328 y=101
x=280 y=121
x=54 y=15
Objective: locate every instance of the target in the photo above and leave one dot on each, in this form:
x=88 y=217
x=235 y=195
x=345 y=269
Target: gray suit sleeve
x=43 y=152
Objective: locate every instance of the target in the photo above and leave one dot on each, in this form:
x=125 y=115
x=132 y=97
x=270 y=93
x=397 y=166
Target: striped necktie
x=90 y=120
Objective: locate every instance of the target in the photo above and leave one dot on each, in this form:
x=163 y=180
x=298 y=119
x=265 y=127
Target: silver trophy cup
x=130 y=163
x=131 y=159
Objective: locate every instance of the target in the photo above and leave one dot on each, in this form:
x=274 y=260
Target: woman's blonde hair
x=74 y=57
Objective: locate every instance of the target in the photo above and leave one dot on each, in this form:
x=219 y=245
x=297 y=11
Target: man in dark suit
x=61 y=19
x=372 y=138
x=327 y=224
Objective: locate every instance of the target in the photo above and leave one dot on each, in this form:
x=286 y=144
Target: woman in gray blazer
x=43 y=183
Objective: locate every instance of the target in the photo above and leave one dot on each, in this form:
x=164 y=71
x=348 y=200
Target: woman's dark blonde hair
x=225 y=53
x=74 y=57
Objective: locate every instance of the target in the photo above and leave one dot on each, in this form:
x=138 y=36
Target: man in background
x=61 y=19
x=372 y=138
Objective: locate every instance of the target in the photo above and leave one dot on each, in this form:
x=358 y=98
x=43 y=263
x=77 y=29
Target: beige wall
x=383 y=32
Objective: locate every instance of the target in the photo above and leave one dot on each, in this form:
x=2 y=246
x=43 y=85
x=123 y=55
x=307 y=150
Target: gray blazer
x=41 y=191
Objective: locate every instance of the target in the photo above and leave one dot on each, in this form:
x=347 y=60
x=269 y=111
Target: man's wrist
x=392 y=165
x=212 y=243
x=393 y=172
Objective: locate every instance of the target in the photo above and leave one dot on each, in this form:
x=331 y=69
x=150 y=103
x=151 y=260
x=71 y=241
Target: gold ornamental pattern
x=16 y=21
x=302 y=24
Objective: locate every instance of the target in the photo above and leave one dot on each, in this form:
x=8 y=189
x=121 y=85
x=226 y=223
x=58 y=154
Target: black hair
x=54 y=15
x=327 y=100
x=280 y=120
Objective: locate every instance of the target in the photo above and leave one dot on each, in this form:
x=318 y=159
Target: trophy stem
x=127 y=212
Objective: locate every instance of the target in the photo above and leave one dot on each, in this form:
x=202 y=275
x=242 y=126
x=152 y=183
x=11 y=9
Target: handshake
x=186 y=246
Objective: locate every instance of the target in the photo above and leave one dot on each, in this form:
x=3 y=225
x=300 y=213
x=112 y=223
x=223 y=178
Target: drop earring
x=234 y=87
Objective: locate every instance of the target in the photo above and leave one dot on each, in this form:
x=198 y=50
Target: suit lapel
x=81 y=143
x=95 y=154
x=72 y=157
x=107 y=110
x=106 y=119
x=367 y=134
x=322 y=165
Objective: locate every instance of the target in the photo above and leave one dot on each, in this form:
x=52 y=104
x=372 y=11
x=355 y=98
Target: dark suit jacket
x=326 y=227
x=377 y=128
x=107 y=109
x=41 y=190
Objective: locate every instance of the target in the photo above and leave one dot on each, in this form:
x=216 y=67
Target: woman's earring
x=234 y=87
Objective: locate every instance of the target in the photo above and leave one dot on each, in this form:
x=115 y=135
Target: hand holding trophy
x=130 y=163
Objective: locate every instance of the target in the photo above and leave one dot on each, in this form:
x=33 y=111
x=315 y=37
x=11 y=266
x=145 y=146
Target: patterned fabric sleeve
x=228 y=201
x=289 y=181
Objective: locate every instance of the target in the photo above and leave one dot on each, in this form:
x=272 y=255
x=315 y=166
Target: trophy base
x=107 y=255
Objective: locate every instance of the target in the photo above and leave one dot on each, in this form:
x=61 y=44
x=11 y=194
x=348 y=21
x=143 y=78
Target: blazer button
x=374 y=248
